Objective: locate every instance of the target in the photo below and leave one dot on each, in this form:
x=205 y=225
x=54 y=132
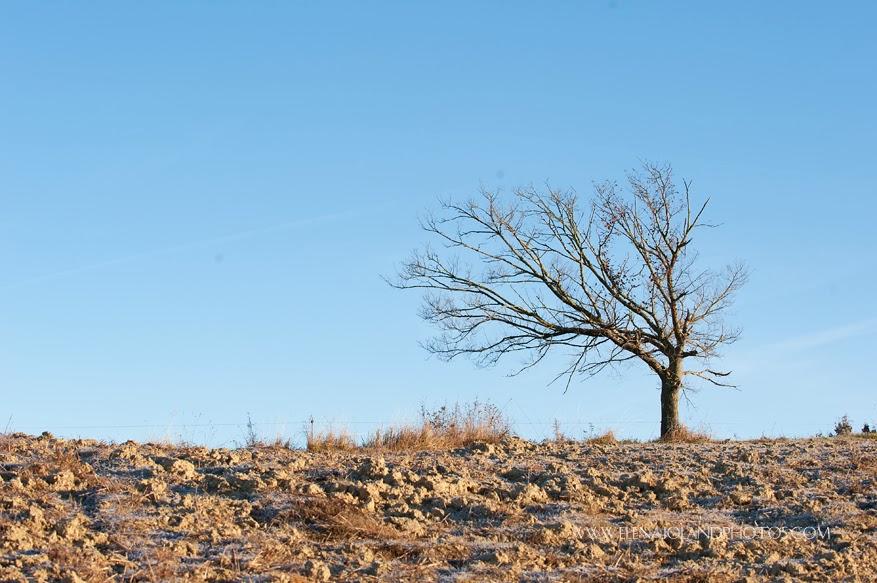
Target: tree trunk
x=670 y=388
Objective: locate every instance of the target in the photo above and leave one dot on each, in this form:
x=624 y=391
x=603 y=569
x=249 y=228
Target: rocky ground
x=81 y=510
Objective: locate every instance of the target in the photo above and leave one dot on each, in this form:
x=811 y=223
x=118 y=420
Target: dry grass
x=444 y=428
x=605 y=438
x=685 y=435
x=424 y=437
x=337 y=520
x=255 y=440
x=768 y=439
x=278 y=442
x=330 y=440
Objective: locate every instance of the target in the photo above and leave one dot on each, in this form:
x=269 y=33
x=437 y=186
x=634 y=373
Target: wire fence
x=331 y=424
x=221 y=433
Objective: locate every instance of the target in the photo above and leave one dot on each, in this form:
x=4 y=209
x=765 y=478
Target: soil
x=784 y=510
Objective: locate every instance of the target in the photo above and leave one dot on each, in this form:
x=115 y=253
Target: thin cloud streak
x=792 y=351
x=825 y=337
x=238 y=235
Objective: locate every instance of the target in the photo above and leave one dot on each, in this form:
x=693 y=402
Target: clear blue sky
x=198 y=200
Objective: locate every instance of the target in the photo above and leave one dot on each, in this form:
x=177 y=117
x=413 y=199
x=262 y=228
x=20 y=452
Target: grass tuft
x=445 y=428
x=330 y=440
x=337 y=520
x=607 y=438
x=685 y=435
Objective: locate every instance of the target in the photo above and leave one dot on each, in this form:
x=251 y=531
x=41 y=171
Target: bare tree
x=609 y=280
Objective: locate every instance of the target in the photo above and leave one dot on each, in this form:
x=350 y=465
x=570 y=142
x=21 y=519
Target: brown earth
x=81 y=510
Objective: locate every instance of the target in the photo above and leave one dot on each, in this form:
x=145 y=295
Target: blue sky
x=198 y=200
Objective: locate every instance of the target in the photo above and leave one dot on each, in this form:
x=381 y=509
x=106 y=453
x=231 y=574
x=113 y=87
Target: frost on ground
x=81 y=510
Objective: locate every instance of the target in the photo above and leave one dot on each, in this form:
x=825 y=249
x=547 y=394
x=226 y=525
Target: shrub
x=843 y=426
x=559 y=435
